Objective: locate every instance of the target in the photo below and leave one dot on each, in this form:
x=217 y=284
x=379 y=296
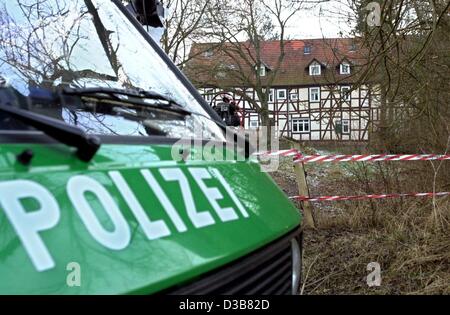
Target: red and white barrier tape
x=300 y=158
x=342 y=198
x=365 y=158
x=291 y=152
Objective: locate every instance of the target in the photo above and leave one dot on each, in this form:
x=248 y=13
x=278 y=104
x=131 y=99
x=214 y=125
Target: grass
x=409 y=238
x=414 y=255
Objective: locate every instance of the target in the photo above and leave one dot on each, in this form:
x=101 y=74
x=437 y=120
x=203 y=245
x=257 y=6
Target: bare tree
x=407 y=53
x=185 y=24
x=240 y=32
x=42 y=50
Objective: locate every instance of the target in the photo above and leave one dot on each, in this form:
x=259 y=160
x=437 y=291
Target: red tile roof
x=217 y=69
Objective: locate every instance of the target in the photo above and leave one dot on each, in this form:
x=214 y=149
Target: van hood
x=131 y=221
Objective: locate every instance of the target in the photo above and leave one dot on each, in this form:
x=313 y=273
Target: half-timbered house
x=317 y=94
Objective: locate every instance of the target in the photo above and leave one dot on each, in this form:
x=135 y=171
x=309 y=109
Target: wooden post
x=300 y=174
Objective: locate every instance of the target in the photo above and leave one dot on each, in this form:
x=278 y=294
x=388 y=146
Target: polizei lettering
x=28 y=225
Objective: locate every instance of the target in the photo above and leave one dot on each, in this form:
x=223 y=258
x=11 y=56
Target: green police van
x=97 y=193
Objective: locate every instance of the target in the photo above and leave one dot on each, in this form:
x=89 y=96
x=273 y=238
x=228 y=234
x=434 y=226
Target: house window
x=281 y=94
x=314 y=94
x=353 y=47
x=315 y=69
x=208 y=53
x=254 y=123
x=343 y=126
x=301 y=125
x=293 y=96
x=307 y=50
x=209 y=94
x=262 y=71
x=345 y=68
x=345 y=93
x=271 y=93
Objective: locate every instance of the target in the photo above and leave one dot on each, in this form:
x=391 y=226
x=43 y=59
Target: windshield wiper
x=131 y=96
x=137 y=98
x=87 y=145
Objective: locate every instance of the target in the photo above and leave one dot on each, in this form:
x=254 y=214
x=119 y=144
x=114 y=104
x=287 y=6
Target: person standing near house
x=223 y=109
x=235 y=120
x=227 y=110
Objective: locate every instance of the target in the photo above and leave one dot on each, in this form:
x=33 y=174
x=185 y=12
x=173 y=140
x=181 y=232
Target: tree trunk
x=266 y=122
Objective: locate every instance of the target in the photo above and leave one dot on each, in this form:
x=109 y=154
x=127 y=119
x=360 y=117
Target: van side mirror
x=149 y=12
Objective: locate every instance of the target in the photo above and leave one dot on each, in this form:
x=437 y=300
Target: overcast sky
x=325 y=20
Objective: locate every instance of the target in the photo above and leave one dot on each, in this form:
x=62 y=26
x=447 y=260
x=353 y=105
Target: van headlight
x=296 y=266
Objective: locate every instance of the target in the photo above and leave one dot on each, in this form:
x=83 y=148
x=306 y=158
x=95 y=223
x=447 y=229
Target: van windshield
x=79 y=44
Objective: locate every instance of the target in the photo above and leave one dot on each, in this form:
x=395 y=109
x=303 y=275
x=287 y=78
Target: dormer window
x=345 y=68
x=208 y=53
x=307 y=50
x=262 y=70
x=315 y=69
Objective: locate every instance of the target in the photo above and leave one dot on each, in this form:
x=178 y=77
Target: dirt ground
x=337 y=253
